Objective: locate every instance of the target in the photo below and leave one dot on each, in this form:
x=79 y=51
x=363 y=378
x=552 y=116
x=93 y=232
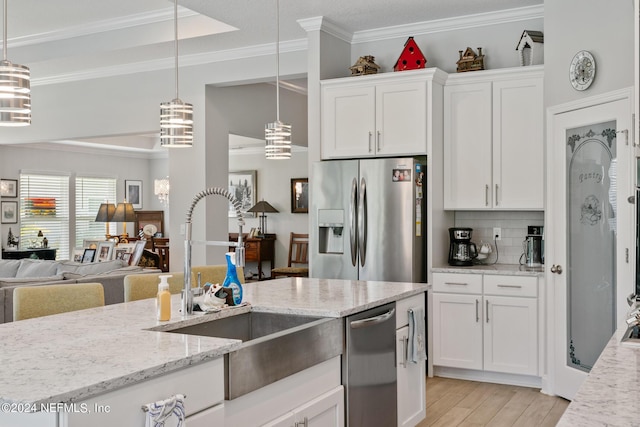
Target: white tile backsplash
x=514 y=230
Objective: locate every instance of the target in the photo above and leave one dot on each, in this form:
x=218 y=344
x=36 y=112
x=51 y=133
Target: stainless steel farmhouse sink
x=274 y=346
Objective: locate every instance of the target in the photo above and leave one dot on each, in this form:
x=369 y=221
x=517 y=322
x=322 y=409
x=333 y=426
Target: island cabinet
x=379 y=115
x=411 y=376
x=486 y=323
x=493 y=140
x=202 y=384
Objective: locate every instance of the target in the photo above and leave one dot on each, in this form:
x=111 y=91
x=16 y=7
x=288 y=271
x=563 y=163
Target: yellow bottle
x=163 y=299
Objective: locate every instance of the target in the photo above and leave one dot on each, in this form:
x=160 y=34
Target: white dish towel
x=166 y=413
x=417 y=349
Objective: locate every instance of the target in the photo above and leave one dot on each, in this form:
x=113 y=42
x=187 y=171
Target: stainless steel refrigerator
x=368 y=219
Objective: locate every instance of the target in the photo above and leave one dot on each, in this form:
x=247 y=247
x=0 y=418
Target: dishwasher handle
x=375 y=320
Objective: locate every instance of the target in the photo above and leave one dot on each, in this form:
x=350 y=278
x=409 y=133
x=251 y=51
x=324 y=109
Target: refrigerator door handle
x=353 y=202
x=362 y=222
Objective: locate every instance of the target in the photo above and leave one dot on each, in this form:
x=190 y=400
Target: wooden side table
x=258 y=250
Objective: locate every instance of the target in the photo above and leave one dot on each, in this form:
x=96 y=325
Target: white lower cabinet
x=207 y=418
x=326 y=410
x=411 y=376
x=494 y=327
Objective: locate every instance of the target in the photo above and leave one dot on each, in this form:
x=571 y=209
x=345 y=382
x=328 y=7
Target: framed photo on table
x=9 y=212
x=105 y=251
x=8 y=187
x=89 y=255
x=133 y=193
x=137 y=252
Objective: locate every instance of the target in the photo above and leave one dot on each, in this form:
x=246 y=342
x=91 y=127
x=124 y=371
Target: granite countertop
x=72 y=356
x=610 y=391
x=499 y=269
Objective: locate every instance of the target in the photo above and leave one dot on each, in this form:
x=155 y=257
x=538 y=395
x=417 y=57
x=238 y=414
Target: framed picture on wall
x=243 y=186
x=133 y=193
x=9 y=212
x=8 y=187
x=299 y=195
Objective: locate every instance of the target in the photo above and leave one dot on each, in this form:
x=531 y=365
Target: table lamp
x=105 y=214
x=262 y=207
x=124 y=213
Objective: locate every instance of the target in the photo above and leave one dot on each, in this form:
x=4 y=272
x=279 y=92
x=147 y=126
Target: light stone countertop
x=498 y=269
x=73 y=356
x=611 y=391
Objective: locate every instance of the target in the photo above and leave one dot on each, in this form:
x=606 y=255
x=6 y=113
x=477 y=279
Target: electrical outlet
x=497 y=233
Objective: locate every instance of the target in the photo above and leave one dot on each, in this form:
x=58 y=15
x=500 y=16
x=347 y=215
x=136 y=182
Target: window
x=44 y=206
x=90 y=193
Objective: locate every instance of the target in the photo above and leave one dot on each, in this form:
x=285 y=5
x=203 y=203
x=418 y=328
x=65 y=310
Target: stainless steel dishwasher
x=369 y=369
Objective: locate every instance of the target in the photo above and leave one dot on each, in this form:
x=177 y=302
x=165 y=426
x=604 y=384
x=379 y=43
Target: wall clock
x=582 y=70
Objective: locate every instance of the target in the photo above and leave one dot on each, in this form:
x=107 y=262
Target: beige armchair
x=36 y=301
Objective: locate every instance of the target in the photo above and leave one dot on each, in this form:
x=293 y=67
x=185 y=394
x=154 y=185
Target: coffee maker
x=462 y=251
x=533 y=250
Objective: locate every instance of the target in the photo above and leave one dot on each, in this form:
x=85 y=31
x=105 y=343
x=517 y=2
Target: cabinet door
x=286 y=420
x=518 y=167
x=467 y=146
x=401 y=117
x=209 y=417
x=411 y=384
x=326 y=410
x=348 y=122
x=511 y=335
x=457 y=330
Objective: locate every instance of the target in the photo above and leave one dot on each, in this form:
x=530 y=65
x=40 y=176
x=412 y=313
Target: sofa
x=30 y=272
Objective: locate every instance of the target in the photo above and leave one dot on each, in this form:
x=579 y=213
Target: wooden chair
x=36 y=301
x=298 y=258
x=161 y=247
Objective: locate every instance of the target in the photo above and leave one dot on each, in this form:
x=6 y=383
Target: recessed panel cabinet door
x=457 y=332
x=467 y=146
x=348 y=122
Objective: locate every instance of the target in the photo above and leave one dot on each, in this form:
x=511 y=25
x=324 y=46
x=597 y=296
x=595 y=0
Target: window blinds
x=90 y=193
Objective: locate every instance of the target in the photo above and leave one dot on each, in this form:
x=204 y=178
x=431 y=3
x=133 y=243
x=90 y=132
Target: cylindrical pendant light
x=15 y=87
x=176 y=117
x=277 y=134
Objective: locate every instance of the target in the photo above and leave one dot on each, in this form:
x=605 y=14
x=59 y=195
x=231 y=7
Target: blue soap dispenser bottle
x=231 y=280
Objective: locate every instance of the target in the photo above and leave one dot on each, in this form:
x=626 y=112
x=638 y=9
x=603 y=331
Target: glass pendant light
x=176 y=117
x=15 y=87
x=277 y=134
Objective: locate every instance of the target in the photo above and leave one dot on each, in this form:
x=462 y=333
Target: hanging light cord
x=175 y=38
x=277 y=60
x=4 y=32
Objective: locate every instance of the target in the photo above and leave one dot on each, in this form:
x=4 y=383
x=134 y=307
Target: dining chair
x=44 y=300
x=298 y=263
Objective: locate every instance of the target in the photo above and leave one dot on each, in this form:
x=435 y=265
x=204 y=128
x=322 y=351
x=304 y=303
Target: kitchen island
x=79 y=356
x=610 y=391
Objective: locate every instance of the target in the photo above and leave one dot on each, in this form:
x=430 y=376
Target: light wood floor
x=469 y=403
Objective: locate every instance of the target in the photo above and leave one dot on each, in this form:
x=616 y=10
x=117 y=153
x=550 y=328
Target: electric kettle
x=532 y=251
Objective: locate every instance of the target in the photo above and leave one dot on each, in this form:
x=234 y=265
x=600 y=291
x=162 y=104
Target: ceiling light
x=15 y=88
x=161 y=189
x=176 y=117
x=277 y=134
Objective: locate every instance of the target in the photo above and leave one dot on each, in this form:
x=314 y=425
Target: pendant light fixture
x=277 y=134
x=176 y=117
x=15 y=87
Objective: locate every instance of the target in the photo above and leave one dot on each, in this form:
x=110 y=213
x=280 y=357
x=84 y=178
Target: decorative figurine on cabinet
x=411 y=57
x=531 y=48
x=364 y=65
x=470 y=61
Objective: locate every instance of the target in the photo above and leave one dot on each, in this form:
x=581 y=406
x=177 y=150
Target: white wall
x=273 y=185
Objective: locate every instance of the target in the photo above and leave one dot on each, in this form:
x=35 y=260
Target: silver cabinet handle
x=405 y=350
x=556 y=269
x=303 y=423
x=370 y=135
x=497 y=195
x=510 y=286
x=486 y=195
x=477 y=313
x=378 y=141
x=487 y=310
x=456 y=283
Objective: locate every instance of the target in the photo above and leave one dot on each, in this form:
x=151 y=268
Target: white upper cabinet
x=377 y=115
x=493 y=140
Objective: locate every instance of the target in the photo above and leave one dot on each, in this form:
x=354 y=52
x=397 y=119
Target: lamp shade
x=105 y=212
x=262 y=206
x=124 y=213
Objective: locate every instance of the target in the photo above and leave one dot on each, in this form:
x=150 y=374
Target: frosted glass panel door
x=591 y=241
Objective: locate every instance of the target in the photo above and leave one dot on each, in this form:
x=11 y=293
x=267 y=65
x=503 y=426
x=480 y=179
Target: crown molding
x=450 y=24
x=321 y=23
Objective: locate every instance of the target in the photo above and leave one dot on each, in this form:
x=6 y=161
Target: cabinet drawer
x=251 y=251
x=521 y=286
x=403 y=306
x=459 y=283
